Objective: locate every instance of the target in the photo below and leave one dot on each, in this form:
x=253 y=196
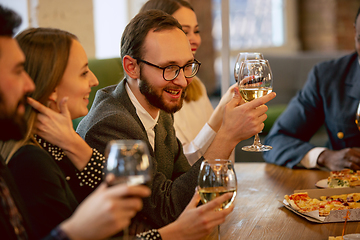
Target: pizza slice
x=302 y=202
x=344 y=178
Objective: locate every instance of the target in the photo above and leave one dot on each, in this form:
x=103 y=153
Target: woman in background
x=58 y=64
x=196 y=123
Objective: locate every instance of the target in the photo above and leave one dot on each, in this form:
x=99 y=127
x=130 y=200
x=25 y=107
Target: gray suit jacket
x=113 y=116
x=330 y=97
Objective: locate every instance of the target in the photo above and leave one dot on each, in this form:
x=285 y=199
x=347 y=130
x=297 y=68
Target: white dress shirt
x=147 y=120
x=192 y=129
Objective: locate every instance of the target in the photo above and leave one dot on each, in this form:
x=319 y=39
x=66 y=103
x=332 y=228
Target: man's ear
x=131 y=67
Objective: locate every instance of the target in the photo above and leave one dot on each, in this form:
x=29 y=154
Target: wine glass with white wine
x=216 y=178
x=255 y=81
x=128 y=162
x=242 y=56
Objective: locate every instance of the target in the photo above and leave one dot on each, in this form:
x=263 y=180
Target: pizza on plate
x=303 y=203
x=343 y=178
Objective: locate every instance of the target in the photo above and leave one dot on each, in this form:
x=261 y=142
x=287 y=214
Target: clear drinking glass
x=216 y=178
x=128 y=162
x=255 y=81
x=357 y=116
x=242 y=56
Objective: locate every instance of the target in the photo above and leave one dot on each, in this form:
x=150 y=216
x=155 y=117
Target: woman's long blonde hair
x=194 y=91
x=47 y=53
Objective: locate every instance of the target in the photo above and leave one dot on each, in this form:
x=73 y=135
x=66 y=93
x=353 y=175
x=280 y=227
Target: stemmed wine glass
x=216 y=178
x=255 y=81
x=242 y=56
x=128 y=162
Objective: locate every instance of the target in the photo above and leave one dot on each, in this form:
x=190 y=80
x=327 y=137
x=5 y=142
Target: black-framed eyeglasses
x=172 y=71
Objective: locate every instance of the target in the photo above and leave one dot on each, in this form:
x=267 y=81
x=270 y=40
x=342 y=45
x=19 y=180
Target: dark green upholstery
x=108 y=72
x=273 y=113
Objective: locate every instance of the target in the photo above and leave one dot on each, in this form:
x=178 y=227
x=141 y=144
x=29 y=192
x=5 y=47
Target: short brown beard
x=14 y=126
x=155 y=100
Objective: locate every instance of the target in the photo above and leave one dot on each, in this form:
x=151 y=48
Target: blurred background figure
x=330 y=97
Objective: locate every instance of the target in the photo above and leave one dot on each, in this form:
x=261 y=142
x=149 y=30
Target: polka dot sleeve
x=93 y=173
x=151 y=235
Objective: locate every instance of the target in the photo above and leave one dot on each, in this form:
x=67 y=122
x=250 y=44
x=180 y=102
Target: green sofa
x=108 y=72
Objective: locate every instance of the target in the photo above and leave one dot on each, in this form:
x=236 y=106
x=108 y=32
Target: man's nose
x=181 y=80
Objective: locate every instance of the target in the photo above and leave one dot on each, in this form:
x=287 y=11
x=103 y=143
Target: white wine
x=249 y=94
x=210 y=193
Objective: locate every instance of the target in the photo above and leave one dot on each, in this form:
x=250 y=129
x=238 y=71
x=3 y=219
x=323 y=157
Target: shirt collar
x=145 y=117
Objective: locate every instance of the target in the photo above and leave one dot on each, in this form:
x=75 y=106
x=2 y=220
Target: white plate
x=352 y=236
x=322 y=183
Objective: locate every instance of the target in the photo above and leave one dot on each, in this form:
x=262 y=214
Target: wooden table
x=258 y=214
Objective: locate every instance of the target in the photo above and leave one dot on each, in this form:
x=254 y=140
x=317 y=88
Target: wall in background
x=73 y=16
x=327 y=25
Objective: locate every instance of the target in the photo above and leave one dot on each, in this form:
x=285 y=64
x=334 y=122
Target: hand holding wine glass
x=217 y=177
x=255 y=81
x=128 y=162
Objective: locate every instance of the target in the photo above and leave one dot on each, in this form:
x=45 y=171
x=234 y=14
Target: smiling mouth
x=172 y=92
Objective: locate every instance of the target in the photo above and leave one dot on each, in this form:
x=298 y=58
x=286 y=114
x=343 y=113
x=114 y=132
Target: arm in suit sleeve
x=292 y=131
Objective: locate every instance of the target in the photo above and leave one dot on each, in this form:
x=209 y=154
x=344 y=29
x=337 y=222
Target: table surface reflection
x=259 y=213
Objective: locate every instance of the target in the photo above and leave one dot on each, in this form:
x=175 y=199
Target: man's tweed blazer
x=113 y=116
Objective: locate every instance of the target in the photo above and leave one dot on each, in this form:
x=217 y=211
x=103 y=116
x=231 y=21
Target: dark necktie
x=155 y=132
x=11 y=210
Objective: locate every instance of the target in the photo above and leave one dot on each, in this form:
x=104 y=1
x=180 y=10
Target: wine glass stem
x=257 y=140
x=218 y=232
x=126 y=234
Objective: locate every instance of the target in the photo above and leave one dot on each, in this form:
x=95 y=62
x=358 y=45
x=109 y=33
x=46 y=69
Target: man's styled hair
x=9 y=22
x=134 y=35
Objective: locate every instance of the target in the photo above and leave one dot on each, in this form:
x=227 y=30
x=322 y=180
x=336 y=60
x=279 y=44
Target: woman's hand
x=217 y=116
x=55 y=126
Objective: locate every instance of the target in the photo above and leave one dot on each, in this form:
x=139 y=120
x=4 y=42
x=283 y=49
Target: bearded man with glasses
x=159 y=65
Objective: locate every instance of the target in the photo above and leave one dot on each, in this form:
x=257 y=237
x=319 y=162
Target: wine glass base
x=257 y=148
